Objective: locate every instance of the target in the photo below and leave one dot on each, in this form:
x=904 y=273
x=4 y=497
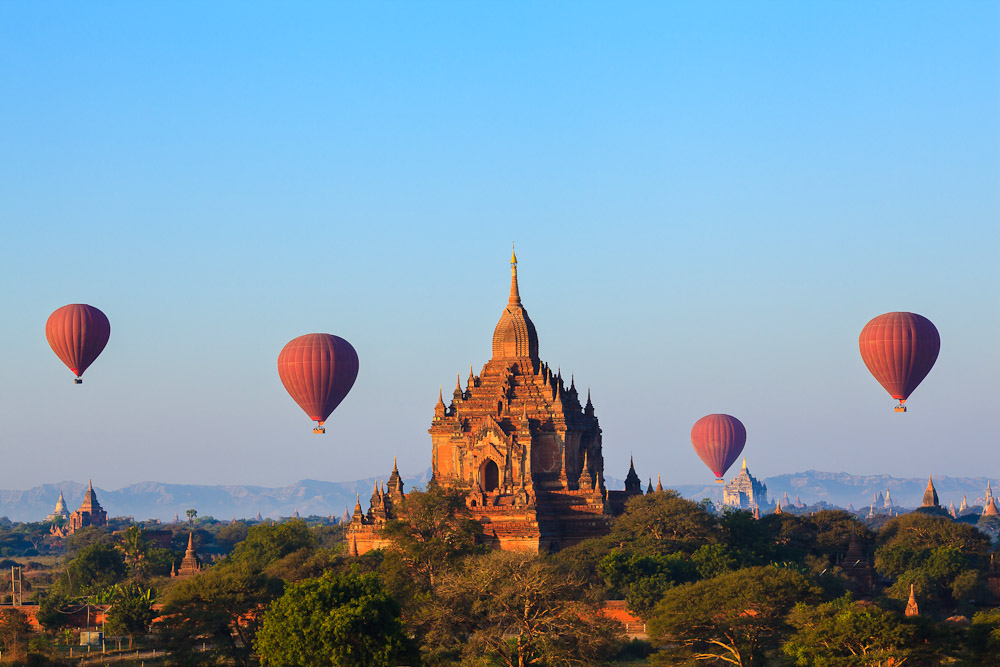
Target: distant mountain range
x=841 y=488
x=158 y=500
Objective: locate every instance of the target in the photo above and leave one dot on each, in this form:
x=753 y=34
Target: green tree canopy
x=518 y=609
x=845 y=633
x=734 y=618
x=131 y=611
x=135 y=549
x=267 y=543
x=94 y=569
x=221 y=607
x=642 y=578
x=921 y=531
x=983 y=643
x=434 y=529
x=663 y=523
x=942 y=559
x=336 y=620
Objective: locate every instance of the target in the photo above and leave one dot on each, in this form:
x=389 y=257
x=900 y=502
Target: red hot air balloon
x=77 y=333
x=718 y=440
x=899 y=349
x=318 y=371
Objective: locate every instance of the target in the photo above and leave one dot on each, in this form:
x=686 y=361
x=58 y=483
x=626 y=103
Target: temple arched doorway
x=490 y=475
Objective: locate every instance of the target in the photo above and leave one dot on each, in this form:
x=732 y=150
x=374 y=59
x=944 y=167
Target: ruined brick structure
x=523 y=446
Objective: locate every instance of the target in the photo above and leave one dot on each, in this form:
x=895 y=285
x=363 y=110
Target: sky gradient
x=709 y=202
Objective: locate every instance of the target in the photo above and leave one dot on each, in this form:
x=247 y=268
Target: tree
x=733 y=618
x=95 y=568
x=664 y=523
x=845 y=633
x=921 y=531
x=643 y=578
x=748 y=539
x=134 y=548
x=191 y=514
x=86 y=537
x=711 y=560
x=983 y=643
x=434 y=529
x=54 y=609
x=942 y=559
x=131 y=611
x=267 y=543
x=14 y=631
x=518 y=609
x=232 y=534
x=336 y=620
x=221 y=607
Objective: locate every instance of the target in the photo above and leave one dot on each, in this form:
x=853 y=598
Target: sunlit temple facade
x=745 y=491
x=523 y=445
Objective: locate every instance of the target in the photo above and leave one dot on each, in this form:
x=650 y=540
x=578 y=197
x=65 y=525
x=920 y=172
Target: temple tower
x=930 y=494
x=190 y=564
x=60 y=511
x=90 y=513
x=524 y=446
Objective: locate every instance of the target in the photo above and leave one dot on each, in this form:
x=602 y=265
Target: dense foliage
x=336 y=620
x=711 y=588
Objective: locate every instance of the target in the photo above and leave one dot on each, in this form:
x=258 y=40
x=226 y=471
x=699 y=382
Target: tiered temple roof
x=522 y=444
x=744 y=491
x=190 y=564
x=90 y=513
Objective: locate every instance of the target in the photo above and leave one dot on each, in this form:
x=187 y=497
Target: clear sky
x=709 y=201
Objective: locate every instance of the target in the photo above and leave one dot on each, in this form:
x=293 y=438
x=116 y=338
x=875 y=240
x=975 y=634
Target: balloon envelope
x=899 y=349
x=77 y=333
x=718 y=440
x=318 y=371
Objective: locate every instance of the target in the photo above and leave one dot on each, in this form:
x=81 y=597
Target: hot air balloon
x=718 y=440
x=318 y=371
x=77 y=333
x=899 y=349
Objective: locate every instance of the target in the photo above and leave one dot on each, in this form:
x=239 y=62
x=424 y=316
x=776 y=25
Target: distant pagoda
x=744 y=491
x=90 y=514
x=190 y=564
x=930 y=495
x=60 y=513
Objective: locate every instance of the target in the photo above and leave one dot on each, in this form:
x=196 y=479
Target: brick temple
x=521 y=443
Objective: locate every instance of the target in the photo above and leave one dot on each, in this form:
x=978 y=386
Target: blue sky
x=709 y=201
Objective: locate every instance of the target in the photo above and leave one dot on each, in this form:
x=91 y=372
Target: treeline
x=712 y=589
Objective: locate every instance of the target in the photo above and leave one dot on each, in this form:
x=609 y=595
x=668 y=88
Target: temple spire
x=515 y=295
x=911 y=605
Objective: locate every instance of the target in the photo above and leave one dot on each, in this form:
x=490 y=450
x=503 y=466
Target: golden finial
x=513 y=255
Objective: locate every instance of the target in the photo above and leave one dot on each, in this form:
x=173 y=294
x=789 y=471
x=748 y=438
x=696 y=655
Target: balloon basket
x=720 y=481
x=78 y=381
x=900 y=408
x=319 y=429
